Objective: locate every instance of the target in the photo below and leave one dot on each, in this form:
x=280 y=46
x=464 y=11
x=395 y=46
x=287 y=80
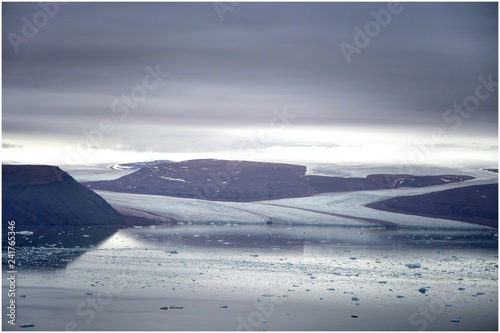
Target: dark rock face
x=251 y=181
x=475 y=204
x=46 y=195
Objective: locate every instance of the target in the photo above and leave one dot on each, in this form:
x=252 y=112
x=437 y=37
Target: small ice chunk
x=24 y=232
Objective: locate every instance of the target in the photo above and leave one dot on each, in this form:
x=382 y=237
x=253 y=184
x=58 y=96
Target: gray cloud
x=231 y=74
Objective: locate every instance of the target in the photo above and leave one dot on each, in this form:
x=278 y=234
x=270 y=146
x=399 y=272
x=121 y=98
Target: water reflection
x=294 y=237
x=55 y=247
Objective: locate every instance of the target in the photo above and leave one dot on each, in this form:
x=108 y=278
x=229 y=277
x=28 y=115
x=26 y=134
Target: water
x=256 y=277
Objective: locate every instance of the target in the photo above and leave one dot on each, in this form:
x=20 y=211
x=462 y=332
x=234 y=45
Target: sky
x=298 y=82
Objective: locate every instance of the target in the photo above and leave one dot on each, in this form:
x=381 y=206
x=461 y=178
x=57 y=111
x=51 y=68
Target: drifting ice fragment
x=24 y=232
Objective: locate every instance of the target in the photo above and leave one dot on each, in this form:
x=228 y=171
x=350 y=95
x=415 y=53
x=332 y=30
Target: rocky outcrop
x=46 y=195
x=476 y=204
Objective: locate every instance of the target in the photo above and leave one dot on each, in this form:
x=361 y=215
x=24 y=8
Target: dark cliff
x=45 y=195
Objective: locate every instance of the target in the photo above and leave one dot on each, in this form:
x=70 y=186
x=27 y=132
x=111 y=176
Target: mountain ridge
x=244 y=181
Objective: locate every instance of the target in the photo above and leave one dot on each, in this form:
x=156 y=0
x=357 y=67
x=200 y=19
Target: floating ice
x=24 y=232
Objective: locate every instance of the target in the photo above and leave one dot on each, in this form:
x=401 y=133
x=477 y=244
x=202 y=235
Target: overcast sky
x=249 y=81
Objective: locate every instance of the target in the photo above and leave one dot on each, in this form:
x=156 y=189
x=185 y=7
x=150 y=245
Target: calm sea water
x=255 y=277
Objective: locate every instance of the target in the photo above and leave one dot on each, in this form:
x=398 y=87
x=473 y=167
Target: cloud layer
x=227 y=76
